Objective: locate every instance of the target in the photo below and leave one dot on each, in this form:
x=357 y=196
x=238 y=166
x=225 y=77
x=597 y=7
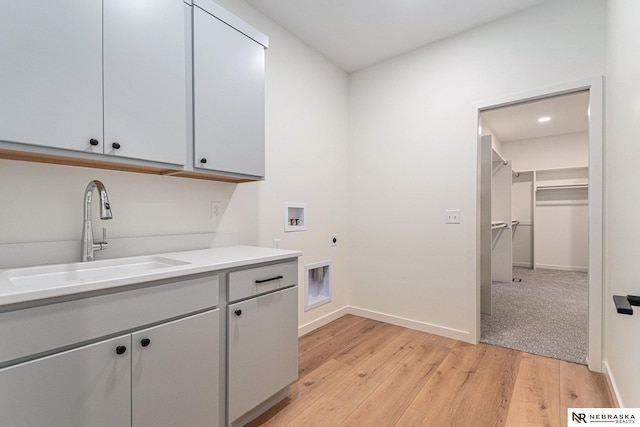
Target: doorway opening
x=540 y=201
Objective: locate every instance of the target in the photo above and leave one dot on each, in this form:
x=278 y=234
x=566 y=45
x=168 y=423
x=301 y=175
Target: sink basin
x=86 y=272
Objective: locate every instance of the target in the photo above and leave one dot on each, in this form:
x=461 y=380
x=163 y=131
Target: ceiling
x=354 y=34
x=567 y=113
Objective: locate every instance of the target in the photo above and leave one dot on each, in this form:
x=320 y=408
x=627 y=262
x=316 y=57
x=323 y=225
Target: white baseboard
x=563 y=267
x=386 y=318
x=522 y=264
x=328 y=318
x=413 y=324
x=612 y=385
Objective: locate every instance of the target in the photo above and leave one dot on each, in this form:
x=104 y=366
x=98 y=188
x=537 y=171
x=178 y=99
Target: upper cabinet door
x=51 y=73
x=144 y=80
x=228 y=98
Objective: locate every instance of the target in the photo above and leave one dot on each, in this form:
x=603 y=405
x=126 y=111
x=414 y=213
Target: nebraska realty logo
x=582 y=416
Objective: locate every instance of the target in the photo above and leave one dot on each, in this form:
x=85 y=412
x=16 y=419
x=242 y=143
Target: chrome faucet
x=88 y=244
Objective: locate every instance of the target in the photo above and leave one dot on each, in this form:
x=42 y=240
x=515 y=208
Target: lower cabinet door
x=263 y=349
x=87 y=386
x=175 y=373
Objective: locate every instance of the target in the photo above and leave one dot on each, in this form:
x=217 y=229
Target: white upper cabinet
x=144 y=80
x=229 y=102
x=54 y=55
x=51 y=73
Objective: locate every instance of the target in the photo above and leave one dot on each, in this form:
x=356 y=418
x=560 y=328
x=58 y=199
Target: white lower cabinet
x=86 y=386
x=167 y=375
x=175 y=373
x=263 y=349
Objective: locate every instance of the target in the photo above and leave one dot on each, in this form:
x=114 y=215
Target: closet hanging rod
x=560 y=187
x=505 y=162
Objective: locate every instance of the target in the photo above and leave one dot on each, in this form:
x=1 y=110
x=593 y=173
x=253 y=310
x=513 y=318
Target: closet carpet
x=545 y=314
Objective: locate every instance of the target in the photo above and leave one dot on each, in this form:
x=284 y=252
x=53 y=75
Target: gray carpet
x=545 y=314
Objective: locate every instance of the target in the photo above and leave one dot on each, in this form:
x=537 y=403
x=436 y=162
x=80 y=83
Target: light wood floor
x=359 y=372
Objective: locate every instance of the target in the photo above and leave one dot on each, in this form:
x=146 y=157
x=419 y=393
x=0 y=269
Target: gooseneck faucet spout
x=88 y=244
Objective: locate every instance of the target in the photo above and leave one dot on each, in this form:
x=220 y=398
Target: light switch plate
x=452 y=216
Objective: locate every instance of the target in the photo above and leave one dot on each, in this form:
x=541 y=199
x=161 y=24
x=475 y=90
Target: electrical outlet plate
x=216 y=209
x=452 y=216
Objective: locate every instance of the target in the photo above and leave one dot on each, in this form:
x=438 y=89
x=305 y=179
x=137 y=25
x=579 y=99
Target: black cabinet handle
x=269 y=279
x=203 y=160
x=145 y=342
x=115 y=145
x=121 y=350
x=94 y=142
x=238 y=312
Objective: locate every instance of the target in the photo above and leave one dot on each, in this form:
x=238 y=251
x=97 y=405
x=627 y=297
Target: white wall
x=413 y=154
x=522 y=200
x=562 y=233
x=622 y=246
x=557 y=151
x=306 y=161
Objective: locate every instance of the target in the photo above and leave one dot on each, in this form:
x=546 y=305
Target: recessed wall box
x=295 y=216
x=317 y=284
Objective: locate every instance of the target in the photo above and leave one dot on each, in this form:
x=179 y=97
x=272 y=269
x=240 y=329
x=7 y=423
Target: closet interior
x=539 y=191
x=535 y=253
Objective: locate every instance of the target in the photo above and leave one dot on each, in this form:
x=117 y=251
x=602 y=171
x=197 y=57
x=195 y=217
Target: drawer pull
x=270 y=279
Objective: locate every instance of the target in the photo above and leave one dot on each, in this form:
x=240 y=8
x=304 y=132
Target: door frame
x=595 y=86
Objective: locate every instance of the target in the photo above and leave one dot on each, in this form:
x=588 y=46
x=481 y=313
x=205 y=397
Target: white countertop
x=29 y=284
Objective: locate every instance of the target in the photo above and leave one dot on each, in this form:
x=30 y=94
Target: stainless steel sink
x=42 y=277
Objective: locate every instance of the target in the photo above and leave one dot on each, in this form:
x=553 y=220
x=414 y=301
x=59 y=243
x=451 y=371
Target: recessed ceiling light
x=544 y=119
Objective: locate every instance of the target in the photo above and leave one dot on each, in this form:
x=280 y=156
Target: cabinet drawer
x=260 y=280
x=53 y=326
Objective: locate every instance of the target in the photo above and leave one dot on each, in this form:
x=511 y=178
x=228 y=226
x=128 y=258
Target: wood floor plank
x=317 y=385
x=359 y=351
x=316 y=356
x=536 y=395
x=474 y=389
x=441 y=341
x=411 y=417
x=387 y=403
x=453 y=372
x=403 y=377
x=357 y=386
x=581 y=388
x=328 y=332
x=485 y=397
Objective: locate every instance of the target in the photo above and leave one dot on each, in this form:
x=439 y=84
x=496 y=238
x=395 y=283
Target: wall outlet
x=276 y=243
x=334 y=240
x=452 y=216
x=216 y=209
